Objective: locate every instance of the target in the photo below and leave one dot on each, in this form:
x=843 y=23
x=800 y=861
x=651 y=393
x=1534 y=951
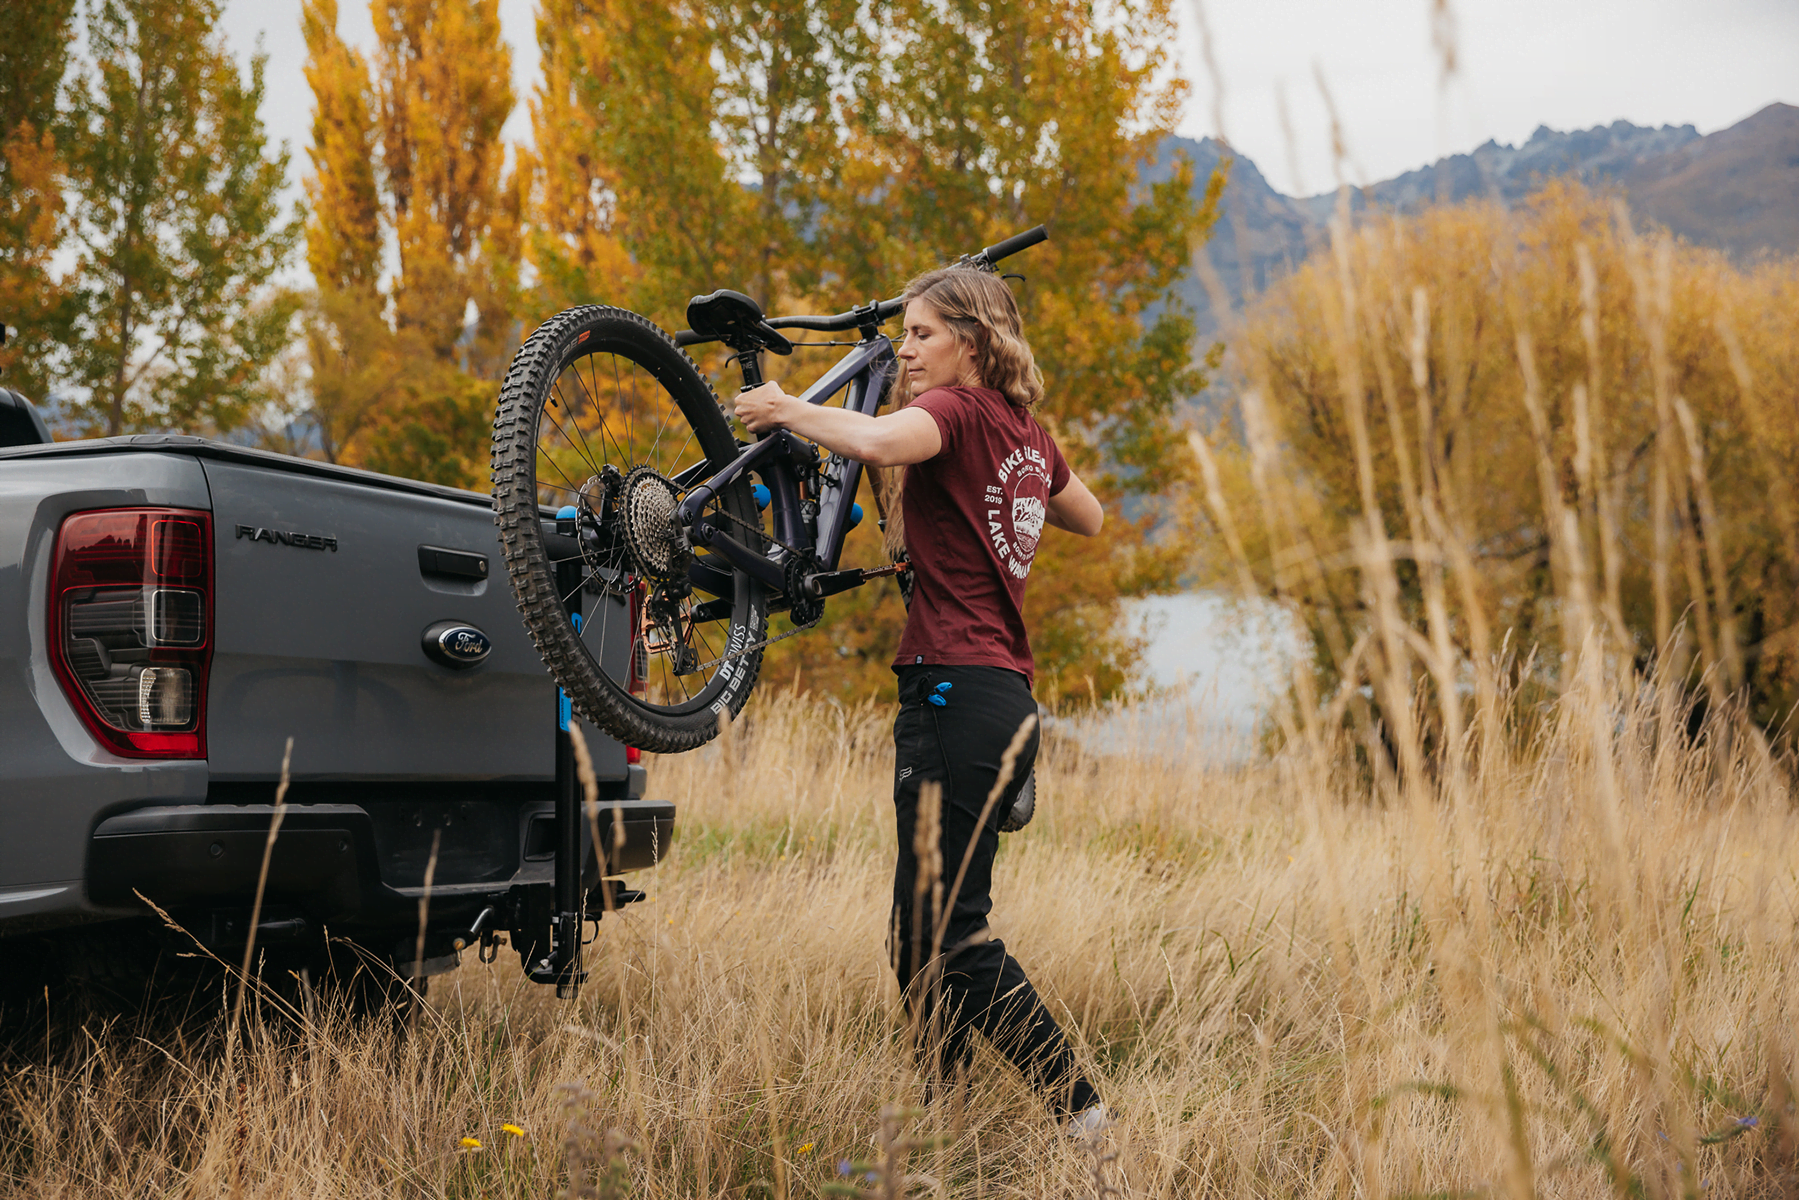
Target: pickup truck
x=174 y=612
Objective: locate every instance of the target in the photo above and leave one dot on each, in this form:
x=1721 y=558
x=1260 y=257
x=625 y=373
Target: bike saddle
x=736 y=320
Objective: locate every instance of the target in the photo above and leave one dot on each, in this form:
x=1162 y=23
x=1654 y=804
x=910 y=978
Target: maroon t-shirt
x=974 y=515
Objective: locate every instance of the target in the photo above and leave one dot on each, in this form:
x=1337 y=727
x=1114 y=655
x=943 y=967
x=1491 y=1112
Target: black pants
x=972 y=983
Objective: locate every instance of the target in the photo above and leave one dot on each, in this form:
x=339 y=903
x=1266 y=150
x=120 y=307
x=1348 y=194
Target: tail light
x=131 y=627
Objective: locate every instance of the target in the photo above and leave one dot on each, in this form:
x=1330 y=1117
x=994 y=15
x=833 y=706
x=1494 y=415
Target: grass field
x=1570 y=974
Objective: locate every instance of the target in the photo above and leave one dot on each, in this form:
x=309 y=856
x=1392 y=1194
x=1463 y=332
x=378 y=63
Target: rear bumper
x=327 y=859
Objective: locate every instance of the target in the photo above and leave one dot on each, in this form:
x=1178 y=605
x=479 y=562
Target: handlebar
x=887 y=309
x=1015 y=243
x=884 y=310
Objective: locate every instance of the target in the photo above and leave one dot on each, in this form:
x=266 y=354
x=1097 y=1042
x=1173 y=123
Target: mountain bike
x=622 y=495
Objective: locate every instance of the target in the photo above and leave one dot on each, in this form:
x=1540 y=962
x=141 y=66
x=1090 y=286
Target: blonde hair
x=981 y=313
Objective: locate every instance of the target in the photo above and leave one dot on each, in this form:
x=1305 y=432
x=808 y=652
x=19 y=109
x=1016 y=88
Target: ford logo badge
x=456 y=644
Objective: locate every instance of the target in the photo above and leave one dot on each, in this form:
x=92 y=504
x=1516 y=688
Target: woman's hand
x=765 y=407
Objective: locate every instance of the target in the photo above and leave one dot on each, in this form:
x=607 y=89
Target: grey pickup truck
x=173 y=611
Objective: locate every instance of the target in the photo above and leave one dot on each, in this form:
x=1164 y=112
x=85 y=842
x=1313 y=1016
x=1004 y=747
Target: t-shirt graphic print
x=1016 y=506
x=974 y=519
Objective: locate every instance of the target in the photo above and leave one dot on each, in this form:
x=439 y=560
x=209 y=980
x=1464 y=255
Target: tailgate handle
x=456 y=564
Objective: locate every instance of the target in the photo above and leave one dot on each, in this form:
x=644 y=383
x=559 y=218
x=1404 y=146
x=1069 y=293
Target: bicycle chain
x=765 y=642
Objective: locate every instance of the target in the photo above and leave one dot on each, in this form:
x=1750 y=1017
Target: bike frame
x=865 y=371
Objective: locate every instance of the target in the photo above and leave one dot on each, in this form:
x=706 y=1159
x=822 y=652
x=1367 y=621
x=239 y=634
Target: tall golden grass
x=1570 y=974
x=1495 y=916
x=1541 y=421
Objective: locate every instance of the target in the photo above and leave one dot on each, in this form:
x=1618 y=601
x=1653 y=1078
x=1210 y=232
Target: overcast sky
x=1568 y=64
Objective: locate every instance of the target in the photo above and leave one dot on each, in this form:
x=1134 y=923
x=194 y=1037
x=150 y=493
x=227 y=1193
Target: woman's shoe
x=1089 y=1123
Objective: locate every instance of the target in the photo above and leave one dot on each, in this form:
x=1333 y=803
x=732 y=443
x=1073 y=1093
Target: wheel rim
x=614 y=443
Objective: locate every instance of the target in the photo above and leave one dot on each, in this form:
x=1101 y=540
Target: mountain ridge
x=1736 y=190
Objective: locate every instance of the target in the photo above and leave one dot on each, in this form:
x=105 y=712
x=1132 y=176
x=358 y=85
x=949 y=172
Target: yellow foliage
x=32 y=304
x=1548 y=422
x=343 y=232
x=445 y=89
x=402 y=382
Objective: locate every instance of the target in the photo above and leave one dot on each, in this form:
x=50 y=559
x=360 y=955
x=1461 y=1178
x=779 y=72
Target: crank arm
x=829 y=583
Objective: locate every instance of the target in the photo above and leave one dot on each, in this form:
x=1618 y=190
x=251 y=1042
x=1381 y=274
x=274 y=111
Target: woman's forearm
x=892 y=440
x=841 y=431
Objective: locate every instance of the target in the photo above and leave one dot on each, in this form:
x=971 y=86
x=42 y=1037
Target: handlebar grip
x=1015 y=243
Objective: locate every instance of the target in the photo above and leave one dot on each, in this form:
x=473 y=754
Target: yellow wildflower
x=469 y=1143
x=806 y=1149
x=514 y=1130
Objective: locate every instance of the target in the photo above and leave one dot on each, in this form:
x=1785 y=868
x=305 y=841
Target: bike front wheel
x=603 y=415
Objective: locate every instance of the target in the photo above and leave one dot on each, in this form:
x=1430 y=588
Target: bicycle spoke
x=660 y=425
x=569 y=442
x=587 y=451
x=572 y=592
x=711 y=651
x=571 y=488
x=600 y=413
x=574 y=419
x=593 y=384
x=631 y=416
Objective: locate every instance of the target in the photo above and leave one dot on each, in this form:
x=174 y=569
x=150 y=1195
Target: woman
x=982 y=478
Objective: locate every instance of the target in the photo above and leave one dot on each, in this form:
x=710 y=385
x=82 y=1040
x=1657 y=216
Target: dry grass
x=1485 y=924
x=1566 y=976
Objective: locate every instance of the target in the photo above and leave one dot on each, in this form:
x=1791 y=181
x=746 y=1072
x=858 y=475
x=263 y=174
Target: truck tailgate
x=326 y=589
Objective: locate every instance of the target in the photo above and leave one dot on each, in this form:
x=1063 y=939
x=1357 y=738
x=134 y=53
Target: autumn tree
x=177 y=226
x=404 y=375
x=989 y=118
x=33 y=57
x=703 y=139
x=356 y=363
x=575 y=220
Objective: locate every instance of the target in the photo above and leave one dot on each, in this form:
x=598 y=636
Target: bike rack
x=562 y=965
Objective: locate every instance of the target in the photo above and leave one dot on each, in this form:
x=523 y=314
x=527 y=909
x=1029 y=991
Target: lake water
x=1213 y=668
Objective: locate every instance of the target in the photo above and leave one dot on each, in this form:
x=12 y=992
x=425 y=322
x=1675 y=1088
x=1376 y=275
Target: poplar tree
x=407 y=147
x=443 y=91
x=575 y=218
x=176 y=221
x=354 y=361
x=712 y=133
